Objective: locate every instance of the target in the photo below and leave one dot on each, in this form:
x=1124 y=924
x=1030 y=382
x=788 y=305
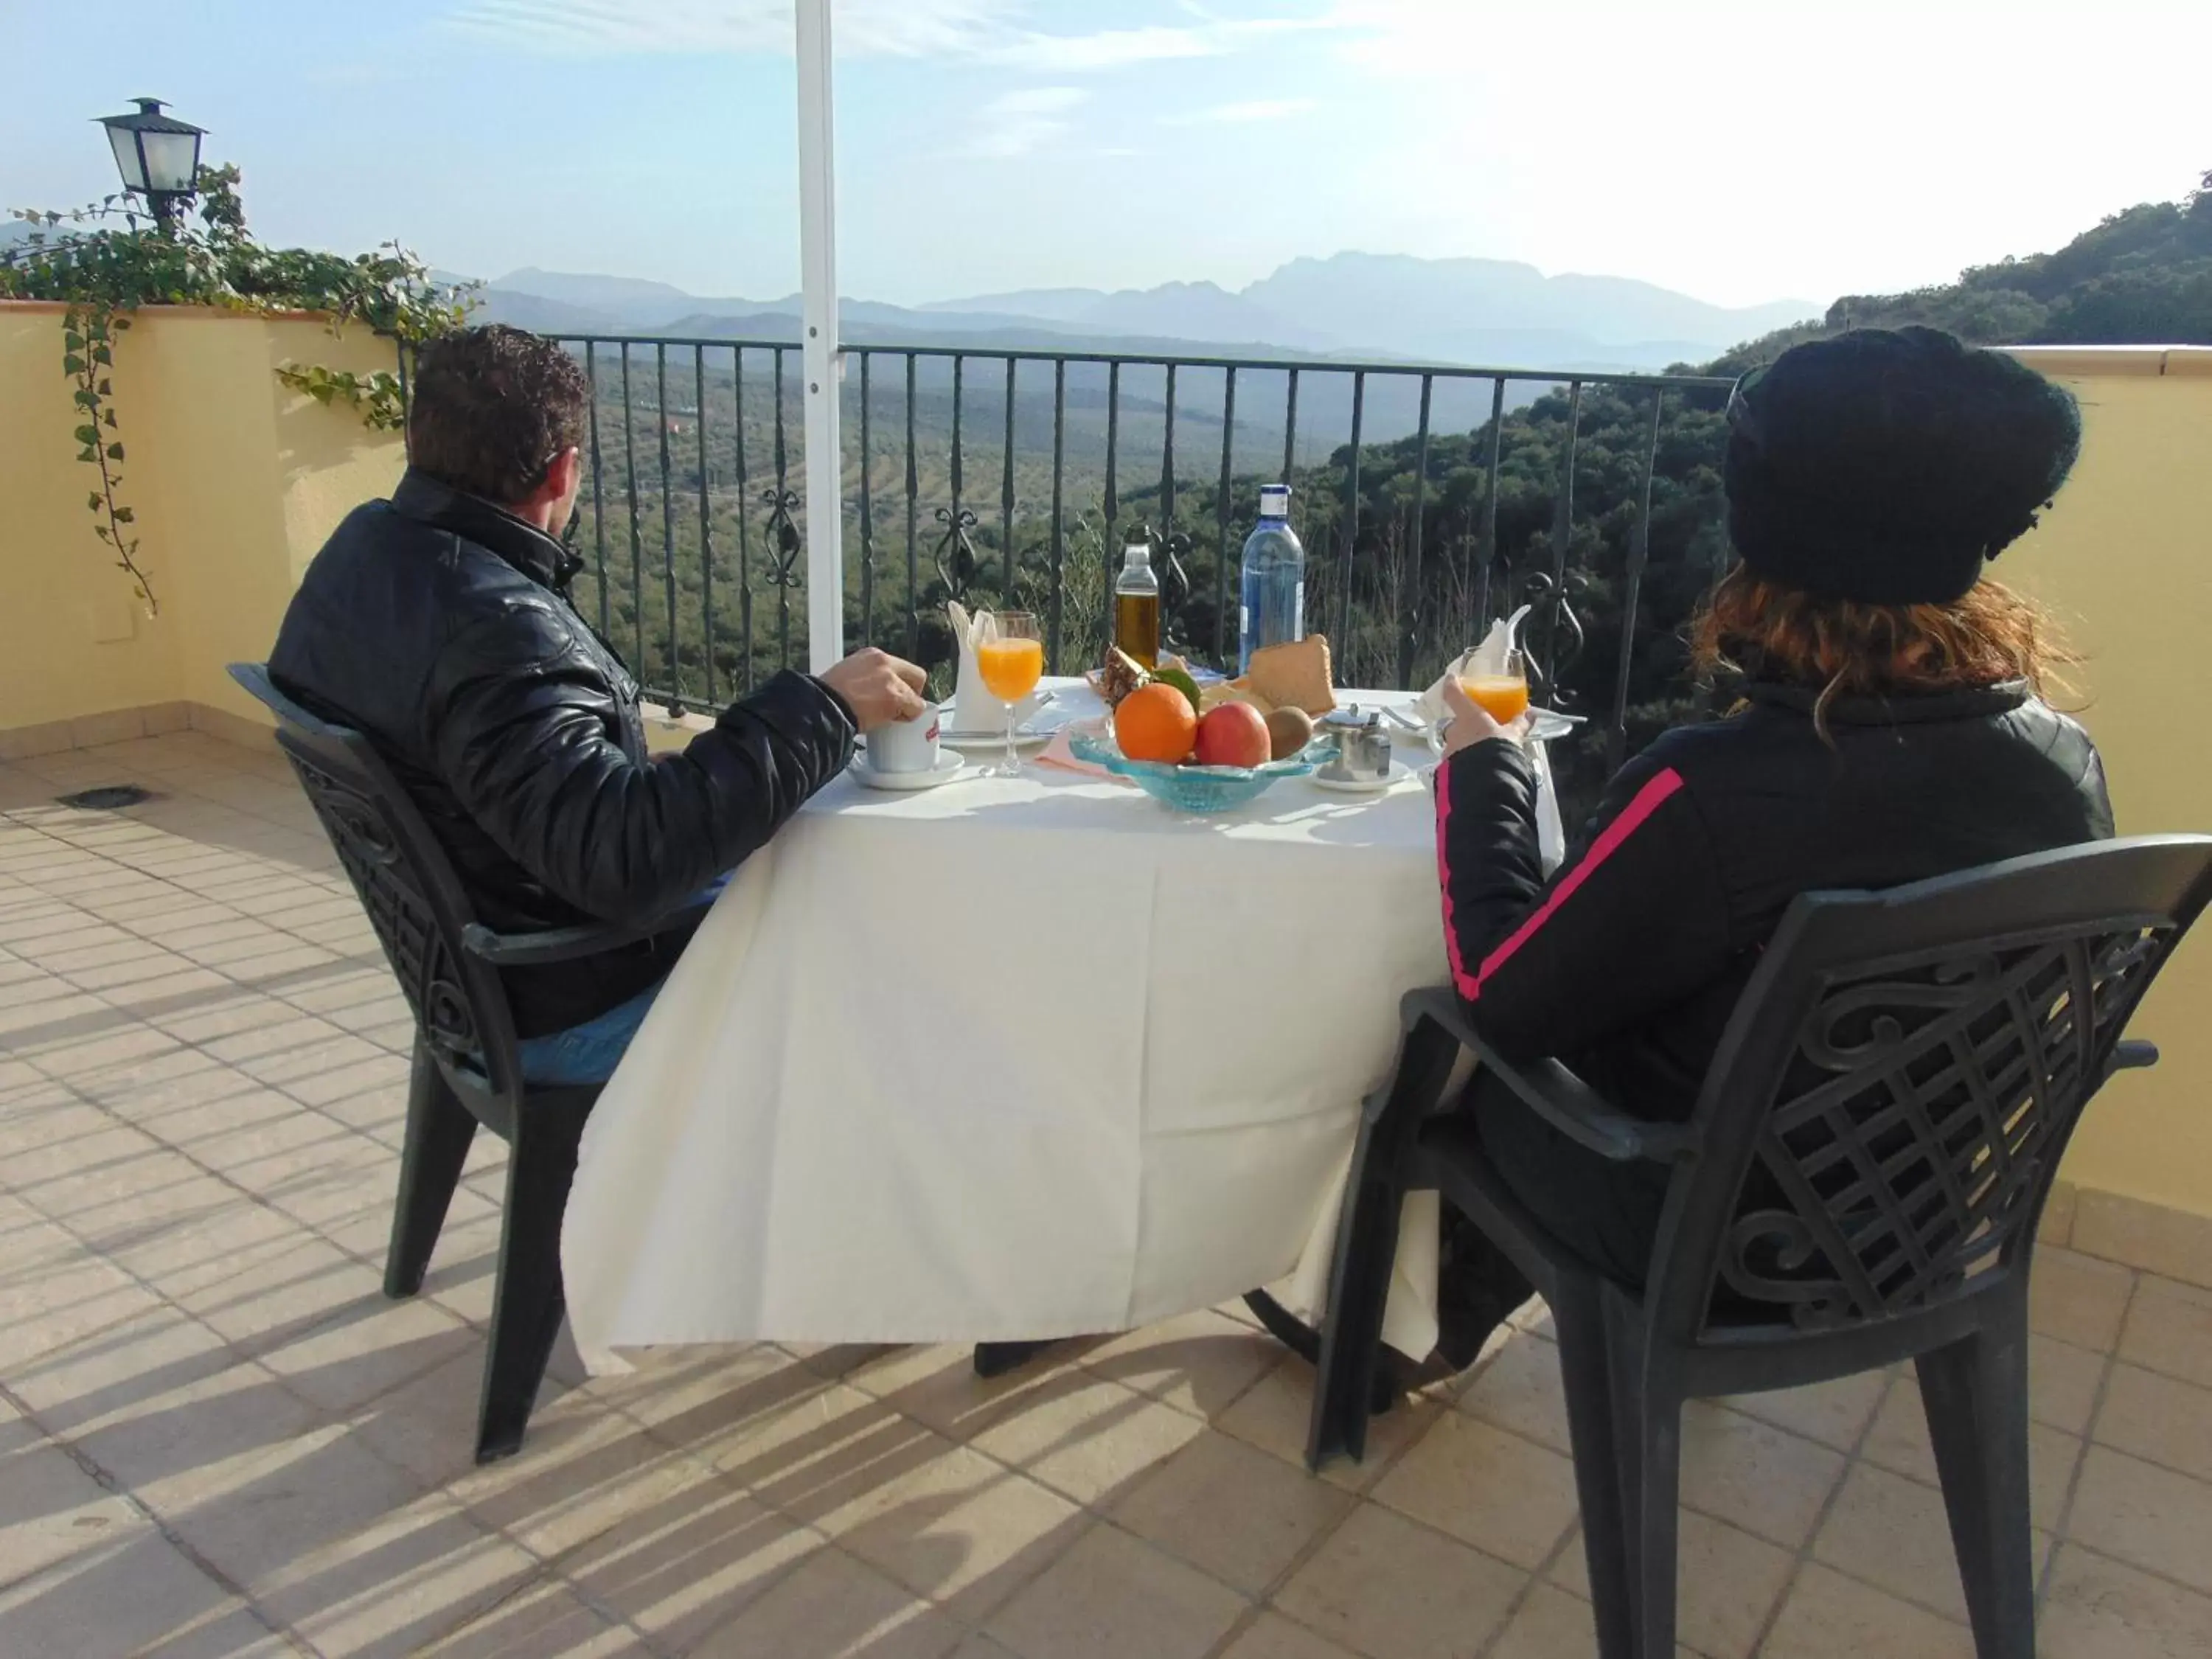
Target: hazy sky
x=1738 y=152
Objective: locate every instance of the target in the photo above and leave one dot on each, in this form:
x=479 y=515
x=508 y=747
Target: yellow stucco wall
x=236 y=480
x=2125 y=558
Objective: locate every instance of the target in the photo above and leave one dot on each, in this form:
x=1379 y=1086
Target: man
x=439 y=624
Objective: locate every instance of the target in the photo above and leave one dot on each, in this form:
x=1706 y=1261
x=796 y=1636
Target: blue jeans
x=588 y=1053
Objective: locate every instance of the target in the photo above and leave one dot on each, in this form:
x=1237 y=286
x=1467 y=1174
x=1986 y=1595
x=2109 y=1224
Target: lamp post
x=159 y=157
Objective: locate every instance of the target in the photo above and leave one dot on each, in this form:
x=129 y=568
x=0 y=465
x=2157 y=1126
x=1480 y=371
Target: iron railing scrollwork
x=1413 y=492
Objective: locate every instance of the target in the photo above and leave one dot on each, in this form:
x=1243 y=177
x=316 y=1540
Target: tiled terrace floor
x=216 y=1438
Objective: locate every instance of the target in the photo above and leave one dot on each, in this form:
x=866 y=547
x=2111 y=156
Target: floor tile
x=1829 y=1616
x=545 y=1621
x=2169 y=1329
x=1273 y=1414
x=1833 y=1414
x=1231 y=1510
x=2097 y=1608
x=1389 y=1589
x=953 y=1526
x=2157 y=1419
x=133 y=1592
x=834 y=1607
x=1088 y=1439
x=1892 y=1532
x=51 y=1508
x=687 y=1559
x=2145 y=1516
x=2078 y=1298
x=1274 y=1636
x=1201 y=1363
x=1898 y=1442
x=1508 y=1497
x=1519 y=1390
x=1112 y=1595
x=1726 y=1584
x=1771 y=1483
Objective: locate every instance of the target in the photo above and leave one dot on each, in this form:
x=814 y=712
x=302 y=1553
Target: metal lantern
x=158 y=155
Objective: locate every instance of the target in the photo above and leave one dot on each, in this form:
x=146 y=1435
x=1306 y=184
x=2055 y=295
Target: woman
x=1892 y=729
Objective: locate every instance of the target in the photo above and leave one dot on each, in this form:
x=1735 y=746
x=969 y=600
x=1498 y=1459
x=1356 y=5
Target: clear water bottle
x=1273 y=585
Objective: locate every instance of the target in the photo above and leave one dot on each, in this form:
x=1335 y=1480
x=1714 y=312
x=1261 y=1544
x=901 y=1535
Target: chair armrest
x=573 y=943
x=2132 y=1056
x=1556 y=1094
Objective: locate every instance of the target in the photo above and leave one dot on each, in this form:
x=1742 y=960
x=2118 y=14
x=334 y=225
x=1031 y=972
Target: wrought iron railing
x=1430 y=499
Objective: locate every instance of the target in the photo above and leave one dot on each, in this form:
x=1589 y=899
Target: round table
x=1003 y=1060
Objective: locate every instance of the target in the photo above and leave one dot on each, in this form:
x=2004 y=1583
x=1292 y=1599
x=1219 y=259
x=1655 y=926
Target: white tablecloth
x=1009 y=1059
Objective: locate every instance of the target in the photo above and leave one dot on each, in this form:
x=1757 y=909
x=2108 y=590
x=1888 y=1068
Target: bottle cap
x=1274 y=500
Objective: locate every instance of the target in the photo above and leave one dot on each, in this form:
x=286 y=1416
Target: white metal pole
x=817 y=256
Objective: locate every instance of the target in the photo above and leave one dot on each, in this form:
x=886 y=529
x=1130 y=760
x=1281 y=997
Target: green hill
x=2142 y=277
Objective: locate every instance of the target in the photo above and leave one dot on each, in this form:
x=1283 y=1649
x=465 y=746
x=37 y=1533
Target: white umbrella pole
x=817 y=245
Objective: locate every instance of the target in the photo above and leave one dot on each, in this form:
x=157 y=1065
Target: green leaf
x=125 y=515
x=71 y=340
x=101 y=530
x=92 y=501
x=103 y=357
x=115 y=451
x=87 y=435
x=72 y=364
x=88 y=453
x=84 y=399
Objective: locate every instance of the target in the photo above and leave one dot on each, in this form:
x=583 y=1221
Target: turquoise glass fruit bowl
x=1194 y=788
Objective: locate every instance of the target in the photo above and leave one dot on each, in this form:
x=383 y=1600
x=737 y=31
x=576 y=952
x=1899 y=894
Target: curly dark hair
x=492 y=407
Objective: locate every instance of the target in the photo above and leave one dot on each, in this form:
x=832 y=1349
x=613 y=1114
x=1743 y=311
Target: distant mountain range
x=1487 y=312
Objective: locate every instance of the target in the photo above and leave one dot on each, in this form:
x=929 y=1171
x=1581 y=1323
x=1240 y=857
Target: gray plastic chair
x=466 y=1070
x=1860 y=1184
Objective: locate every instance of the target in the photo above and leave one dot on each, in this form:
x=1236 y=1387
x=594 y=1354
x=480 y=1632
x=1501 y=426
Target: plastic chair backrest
x=406 y=883
x=1883 y=1121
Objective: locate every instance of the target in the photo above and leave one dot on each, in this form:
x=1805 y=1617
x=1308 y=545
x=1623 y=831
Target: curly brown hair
x=1763 y=630
x=491 y=409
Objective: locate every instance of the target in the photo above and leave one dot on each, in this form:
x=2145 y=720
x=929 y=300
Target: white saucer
x=1399 y=773
x=1027 y=740
x=948 y=768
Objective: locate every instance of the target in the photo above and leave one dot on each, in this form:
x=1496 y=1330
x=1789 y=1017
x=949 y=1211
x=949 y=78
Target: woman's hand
x=1471 y=723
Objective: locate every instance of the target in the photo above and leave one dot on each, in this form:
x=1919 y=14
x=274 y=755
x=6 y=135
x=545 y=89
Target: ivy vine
x=105 y=261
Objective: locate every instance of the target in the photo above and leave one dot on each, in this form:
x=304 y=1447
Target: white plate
x=948 y=768
x=1399 y=773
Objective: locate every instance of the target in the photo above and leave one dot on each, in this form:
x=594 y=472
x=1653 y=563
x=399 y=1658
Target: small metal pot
x=1362 y=747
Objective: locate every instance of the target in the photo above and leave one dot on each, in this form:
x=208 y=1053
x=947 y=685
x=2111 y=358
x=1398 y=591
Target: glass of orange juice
x=1504 y=696
x=1012 y=662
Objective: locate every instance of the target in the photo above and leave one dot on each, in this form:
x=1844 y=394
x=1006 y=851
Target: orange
x=1155 y=722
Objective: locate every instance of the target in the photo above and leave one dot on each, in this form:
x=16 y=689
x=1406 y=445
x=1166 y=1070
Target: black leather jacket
x=1627 y=962
x=441 y=627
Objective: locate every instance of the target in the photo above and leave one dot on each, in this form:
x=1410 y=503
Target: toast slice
x=1295 y=674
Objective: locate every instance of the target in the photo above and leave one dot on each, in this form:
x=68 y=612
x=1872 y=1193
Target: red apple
x=1234 y=734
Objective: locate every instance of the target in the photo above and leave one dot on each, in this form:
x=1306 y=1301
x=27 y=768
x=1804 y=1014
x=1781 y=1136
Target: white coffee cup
x=905 y=745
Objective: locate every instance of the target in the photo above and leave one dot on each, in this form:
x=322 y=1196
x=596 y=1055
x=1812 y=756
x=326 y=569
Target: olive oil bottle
x=1137 y=606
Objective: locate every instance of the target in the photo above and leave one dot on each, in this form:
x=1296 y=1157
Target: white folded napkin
x=1489 y=658
x=974 y=707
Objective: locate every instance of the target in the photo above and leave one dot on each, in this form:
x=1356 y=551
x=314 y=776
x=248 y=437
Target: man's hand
x=878 y=687
x=1471 y=723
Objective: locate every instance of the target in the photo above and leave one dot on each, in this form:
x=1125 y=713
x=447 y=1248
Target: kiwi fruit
x=1289 y=731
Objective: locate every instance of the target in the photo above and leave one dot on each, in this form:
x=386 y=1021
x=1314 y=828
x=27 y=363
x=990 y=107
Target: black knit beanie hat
x=1886 y=465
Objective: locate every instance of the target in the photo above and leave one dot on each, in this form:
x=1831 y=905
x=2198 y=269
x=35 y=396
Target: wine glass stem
x=1013 y=761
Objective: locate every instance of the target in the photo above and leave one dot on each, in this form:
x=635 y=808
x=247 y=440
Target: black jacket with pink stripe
x=1628 y=961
